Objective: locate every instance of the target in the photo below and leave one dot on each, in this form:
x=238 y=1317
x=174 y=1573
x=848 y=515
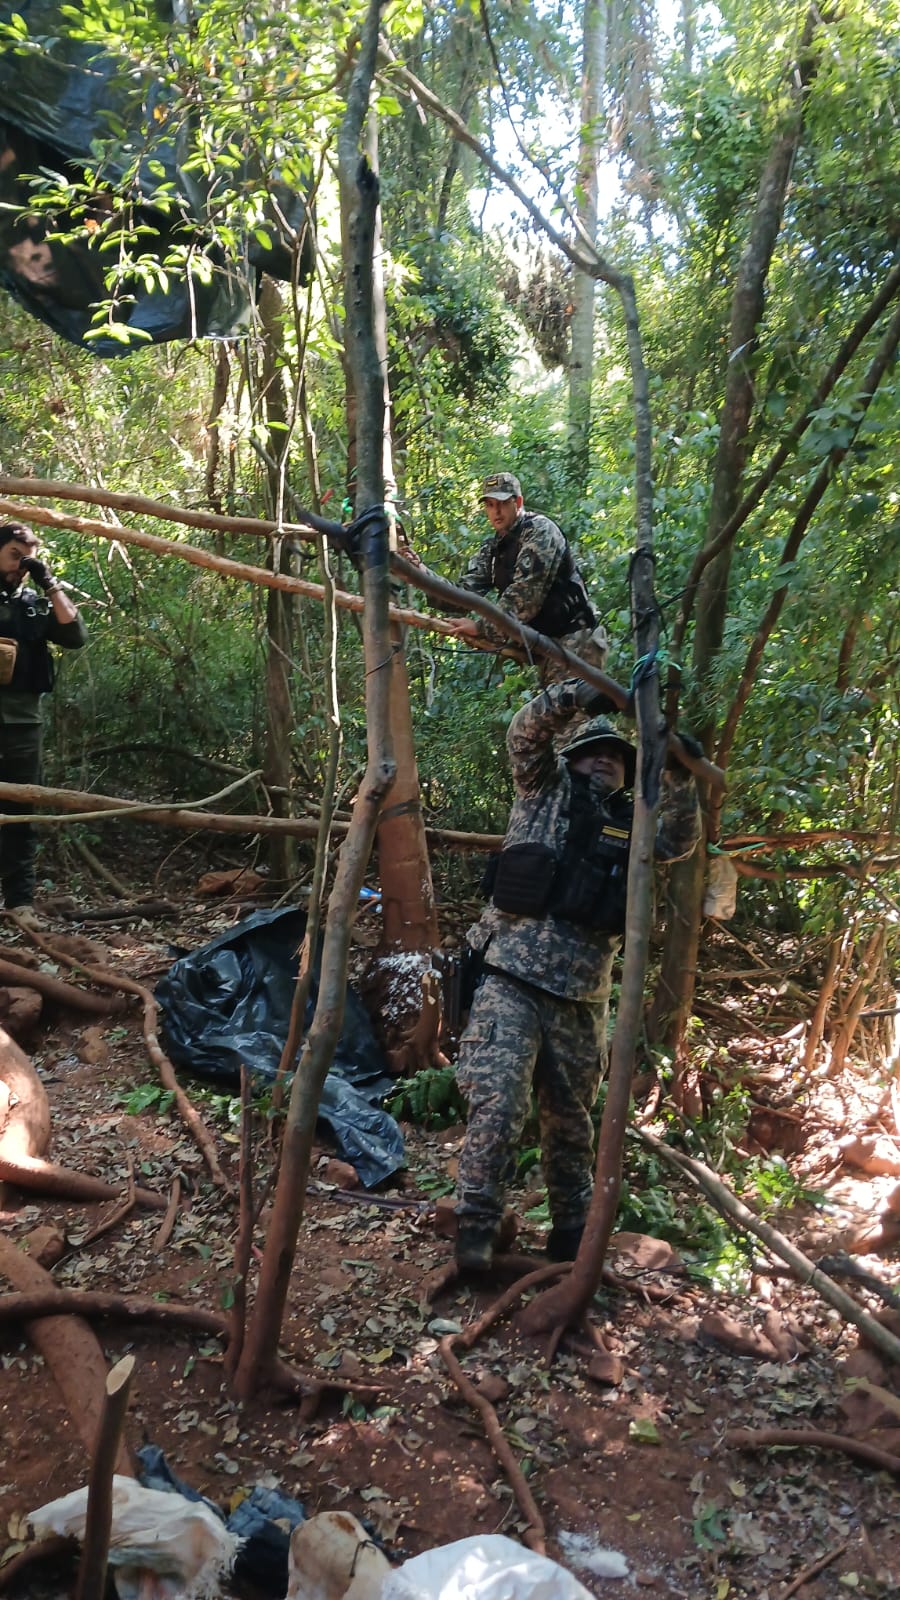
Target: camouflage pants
x=590 y=644
x=520 y=1039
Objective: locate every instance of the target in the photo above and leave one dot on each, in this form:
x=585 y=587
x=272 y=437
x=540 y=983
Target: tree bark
x=581 y=326
x=566 y=1302
x=279 y=617
x=675 y=990
x=359 y=201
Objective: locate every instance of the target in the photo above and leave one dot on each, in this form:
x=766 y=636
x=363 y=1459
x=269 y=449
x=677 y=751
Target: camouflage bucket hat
x=501 y=486
x=599 y=731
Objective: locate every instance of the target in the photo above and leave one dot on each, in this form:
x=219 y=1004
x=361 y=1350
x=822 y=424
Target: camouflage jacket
x=565 y=959
x=542 y=552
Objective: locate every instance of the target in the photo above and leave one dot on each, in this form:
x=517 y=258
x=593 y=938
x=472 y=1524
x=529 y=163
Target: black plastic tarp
x=61 y=101
x=230 y=1002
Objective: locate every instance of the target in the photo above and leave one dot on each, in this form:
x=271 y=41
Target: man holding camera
x=35 y=612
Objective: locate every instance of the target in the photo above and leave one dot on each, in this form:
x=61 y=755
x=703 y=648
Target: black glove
x=596 y=703
x=692 y=746
x=39 y=571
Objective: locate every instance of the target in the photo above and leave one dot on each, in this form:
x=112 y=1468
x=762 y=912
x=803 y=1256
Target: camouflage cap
x=501 y=486
x=599 y=731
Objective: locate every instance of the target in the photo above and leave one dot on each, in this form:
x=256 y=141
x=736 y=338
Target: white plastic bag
x=181 y=1543
x=720 y=896
x=487 y=1567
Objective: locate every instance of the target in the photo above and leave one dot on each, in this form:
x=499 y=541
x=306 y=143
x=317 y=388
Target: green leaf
x=643 y=1429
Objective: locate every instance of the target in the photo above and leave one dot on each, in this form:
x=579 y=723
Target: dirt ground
x=643 y=1468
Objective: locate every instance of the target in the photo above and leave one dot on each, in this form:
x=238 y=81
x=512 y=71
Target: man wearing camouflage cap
x=549 y=938
x=528 y=564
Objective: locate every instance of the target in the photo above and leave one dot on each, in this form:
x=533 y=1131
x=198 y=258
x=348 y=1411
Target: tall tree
x=591 y=144
x=685 y=891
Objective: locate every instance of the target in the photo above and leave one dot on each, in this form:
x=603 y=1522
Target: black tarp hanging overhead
x=68 y=107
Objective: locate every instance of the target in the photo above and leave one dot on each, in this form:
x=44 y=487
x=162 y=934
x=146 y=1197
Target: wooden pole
x=98 y=1517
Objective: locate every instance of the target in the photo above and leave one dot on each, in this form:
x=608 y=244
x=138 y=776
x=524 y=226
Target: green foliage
x=430 y=1099
x=145 y=1097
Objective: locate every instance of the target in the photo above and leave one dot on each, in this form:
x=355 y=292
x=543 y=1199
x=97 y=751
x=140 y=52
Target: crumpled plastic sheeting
x=184 y=1545
x=230 y=1002
x=486 y=1567
x=56 y=102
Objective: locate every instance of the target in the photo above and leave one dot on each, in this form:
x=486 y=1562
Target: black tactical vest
x=588 y=883
x=566 y=606
x=23 y=617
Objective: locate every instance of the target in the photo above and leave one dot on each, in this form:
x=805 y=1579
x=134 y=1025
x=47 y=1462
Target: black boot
x=475 y=1240
x=562 y=1243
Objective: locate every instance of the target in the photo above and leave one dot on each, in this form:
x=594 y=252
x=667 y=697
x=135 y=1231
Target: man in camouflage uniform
x=529 y=565
x=548 y=938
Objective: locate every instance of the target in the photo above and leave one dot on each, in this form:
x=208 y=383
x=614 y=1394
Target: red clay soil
x=642 y=1469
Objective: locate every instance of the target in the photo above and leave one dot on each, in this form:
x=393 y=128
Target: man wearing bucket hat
x=548 y=940
x=528 y=564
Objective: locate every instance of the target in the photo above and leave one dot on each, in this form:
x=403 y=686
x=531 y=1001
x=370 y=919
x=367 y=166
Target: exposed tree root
x=69 y=1347
x=25 y=1134
x=535 y=1535
x=812 y=1438
x=62 y=994
x=34 y=1304
x=187 y=1112
x=167 y=1225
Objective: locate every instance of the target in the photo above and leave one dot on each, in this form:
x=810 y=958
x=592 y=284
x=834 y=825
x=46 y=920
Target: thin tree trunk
x=359 y=201
x=566 y=1302
x=409 y=920
x=820 y=1015
x=672 y=1004
x=279 y=617
x=581 y=327
x=868 y=969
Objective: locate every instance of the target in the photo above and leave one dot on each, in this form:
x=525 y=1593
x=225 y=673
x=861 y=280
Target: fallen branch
x=96 y=866
x=120 y=1211
x=130 y=911
x=186 y=1110
x=812 y=1438
x=164 y=1232
x=812 y=1570
x=802 y=1268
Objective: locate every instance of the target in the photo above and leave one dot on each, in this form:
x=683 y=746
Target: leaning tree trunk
x=359 y=201
x=675 y=991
